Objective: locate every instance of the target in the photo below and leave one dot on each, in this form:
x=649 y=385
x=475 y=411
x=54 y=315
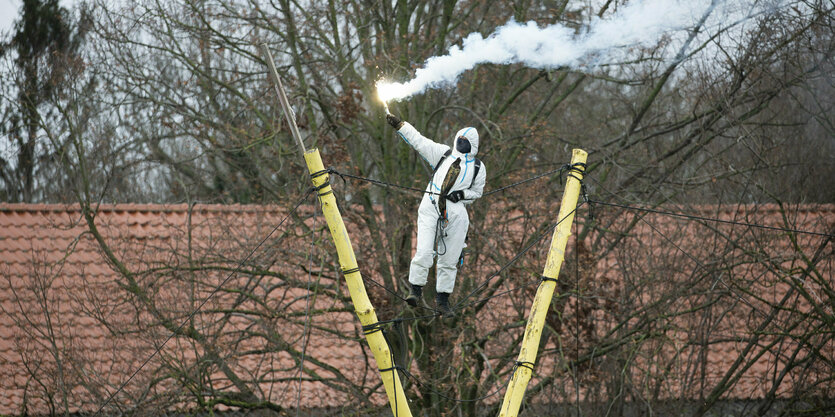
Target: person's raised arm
x=427 y=148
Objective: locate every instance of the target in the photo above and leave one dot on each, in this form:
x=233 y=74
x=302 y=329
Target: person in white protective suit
x=458 y=180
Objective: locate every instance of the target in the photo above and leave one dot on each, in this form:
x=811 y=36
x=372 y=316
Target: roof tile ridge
x=39 y=207
x=144 y=207
x=238 y=207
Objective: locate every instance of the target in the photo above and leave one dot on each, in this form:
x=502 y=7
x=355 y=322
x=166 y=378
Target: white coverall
x=451 y=243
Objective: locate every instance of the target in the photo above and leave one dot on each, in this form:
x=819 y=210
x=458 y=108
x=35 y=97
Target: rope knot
x=577 y=167
x=524 y=364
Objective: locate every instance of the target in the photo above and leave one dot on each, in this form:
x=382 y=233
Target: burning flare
x=388 y=91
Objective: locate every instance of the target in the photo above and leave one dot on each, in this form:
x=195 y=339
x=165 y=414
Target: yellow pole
x=362 y=305
x=542 y=300
x=347 y=259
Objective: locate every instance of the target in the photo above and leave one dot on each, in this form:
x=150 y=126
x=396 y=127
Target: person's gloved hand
x=394 y=121
x=455 y=196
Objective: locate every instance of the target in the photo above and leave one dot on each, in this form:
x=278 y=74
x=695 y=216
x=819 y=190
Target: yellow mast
x=347 y=260
x=542 y=300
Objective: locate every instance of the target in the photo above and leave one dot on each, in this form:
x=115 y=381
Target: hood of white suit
x=472 y=135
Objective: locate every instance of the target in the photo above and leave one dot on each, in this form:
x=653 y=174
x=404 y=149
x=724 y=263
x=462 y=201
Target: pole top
x=579 y=153
x=282 y=98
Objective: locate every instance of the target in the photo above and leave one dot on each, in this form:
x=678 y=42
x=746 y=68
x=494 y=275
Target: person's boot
x=443 y=305
x=415 y=294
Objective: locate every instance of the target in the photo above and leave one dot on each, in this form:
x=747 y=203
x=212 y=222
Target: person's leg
x=424 y=253
x=455 y=233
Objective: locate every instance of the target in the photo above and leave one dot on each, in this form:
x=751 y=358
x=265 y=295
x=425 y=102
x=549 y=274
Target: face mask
x=463 y=145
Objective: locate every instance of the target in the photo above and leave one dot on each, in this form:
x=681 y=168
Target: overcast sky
x=8 y=14
x=9 y=10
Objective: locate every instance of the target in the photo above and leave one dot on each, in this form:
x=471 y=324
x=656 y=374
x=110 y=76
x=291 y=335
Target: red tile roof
x=69 y=323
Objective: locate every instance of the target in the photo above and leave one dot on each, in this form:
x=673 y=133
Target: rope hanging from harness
x=447 y=184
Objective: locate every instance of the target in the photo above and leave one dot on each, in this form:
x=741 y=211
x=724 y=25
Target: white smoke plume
x=639 y=24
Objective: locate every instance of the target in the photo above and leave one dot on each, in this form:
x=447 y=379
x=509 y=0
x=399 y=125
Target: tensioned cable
x=431 y=389
x=577 y=313
x=394 y=293
x=501 y=293
x=214 y=291
x=393 y=381
x=392 y=185
x=542 y=235
x=378 y=182
x=458 y=306
x=305 y=335
x=387 y=184
x=545 y=174
x=699 y=263
x=693 y=217
x=435 y=392
x=458 y=400
x=287 y=387
x=668 y=239
x=709 y=219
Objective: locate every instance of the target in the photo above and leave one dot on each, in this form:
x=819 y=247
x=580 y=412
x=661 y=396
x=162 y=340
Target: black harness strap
x=475 y=171
x=448 y=153
x=440 y=161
